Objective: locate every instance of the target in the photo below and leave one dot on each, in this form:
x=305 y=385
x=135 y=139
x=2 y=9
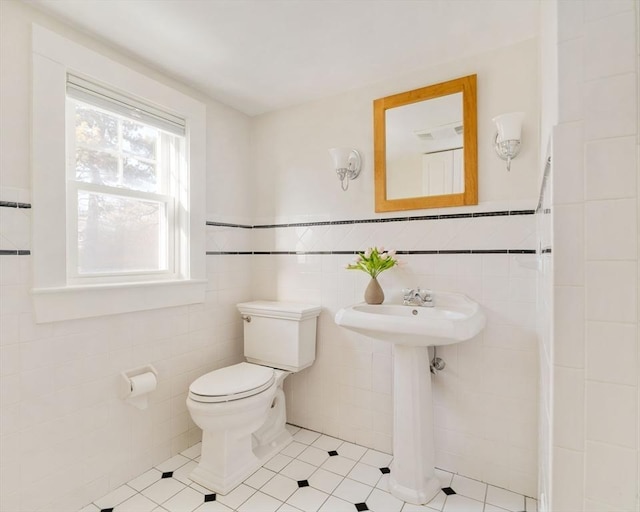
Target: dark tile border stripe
x=21 y=252
x=4 y=252
x=13 y=204
x=460 y=251
x=371 y=221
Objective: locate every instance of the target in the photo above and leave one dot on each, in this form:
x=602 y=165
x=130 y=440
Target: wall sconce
x=347 y=162
x=507 y=143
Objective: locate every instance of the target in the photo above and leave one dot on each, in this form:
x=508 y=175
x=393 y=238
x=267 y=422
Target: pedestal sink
x=412 y=330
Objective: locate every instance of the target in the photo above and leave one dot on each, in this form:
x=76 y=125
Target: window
x=125 y=164
x=118 y=186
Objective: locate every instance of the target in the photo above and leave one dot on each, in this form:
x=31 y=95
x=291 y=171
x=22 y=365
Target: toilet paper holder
x=137 y=383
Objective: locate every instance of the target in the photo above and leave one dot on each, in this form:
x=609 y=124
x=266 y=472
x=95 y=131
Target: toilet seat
x=231 y=383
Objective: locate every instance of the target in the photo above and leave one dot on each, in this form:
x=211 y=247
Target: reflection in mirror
x=425 y=147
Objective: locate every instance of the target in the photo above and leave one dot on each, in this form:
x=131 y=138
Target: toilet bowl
x=241 y=408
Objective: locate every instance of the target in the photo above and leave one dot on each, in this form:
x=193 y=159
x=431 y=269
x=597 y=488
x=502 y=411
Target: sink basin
x=412 y=330
x=453 y=318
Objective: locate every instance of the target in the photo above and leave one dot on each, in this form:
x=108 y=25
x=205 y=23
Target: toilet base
x=249 y=465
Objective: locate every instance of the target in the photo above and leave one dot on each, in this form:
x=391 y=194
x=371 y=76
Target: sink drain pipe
x=437 y=363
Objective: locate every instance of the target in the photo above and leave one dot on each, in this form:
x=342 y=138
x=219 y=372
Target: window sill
x=72 y=302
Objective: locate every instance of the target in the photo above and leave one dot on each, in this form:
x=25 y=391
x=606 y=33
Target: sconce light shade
x=509 y=135
x=347 y=163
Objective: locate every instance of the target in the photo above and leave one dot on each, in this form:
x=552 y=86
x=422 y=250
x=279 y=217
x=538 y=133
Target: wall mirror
x=425 y=147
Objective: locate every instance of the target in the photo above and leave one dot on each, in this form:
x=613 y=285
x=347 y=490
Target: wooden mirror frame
x=467 y=86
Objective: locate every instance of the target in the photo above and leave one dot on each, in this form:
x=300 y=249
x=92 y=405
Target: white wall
x=290 y=146
x=63 y=431
x=486 y=399
x=595 y=258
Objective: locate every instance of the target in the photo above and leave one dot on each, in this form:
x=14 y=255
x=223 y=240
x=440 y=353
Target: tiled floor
x=314 y=473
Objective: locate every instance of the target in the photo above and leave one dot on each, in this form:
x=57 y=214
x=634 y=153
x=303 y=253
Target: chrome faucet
x=417 y=297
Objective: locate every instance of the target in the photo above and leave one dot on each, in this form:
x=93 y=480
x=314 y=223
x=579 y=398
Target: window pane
x=95 y=128
x=140 y=175
x=139 y=139
x=96 y=167
x=120 y=234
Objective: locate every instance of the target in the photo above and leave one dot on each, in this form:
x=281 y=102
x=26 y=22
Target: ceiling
x=263 y=55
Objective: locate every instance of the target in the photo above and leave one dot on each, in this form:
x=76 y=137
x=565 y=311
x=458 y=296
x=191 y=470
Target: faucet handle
x=407 y=293
x=425 y=295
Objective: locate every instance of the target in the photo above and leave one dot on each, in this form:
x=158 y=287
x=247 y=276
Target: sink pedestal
x=412 y=477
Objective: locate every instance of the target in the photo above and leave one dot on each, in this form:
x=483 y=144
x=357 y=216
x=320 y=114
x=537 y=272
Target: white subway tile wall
x=595 y=462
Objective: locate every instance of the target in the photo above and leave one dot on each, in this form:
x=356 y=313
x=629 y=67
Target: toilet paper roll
x=143 y=383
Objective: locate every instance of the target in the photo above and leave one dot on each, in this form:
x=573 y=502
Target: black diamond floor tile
x=168 y=474
x=106 y=509
x=384 y=471
x=303 y=483
x=361 y=506
x=209 y=497
x=332 y=453
x=448 y=491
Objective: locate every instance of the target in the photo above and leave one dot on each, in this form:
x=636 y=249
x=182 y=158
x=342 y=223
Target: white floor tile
x=293 y=449
x=380 y=501
x=353 y=476
x=280 y=487
x=145 y=479
x=327 y=443
x=469 y=488
x=377 y=459
x=383 y=483
x=334 y=504
x=90 y=508
x=163 y=489
x=288 y=508
x=213 y=506
x=187 y=500
x=493 y=508
x=410 y=507
x=236 y=497
x=365 y=474
x=298 y=470
x=292 y=429
x=326 y=481
x=339 y=464
x=193 y=452
x=505 y=499
x=445 y=477
x=308 y=499
x=260 y=502
x=277 y=462
x=137 y=503
x=201 y=489
x=314 y=456
x=438 y=502
x=352 y=491
x=457 y=503
x=122 y=493
x=173 y=463
x=183 y=472
x=305 y=436
x=259 y=478
x=351 y=451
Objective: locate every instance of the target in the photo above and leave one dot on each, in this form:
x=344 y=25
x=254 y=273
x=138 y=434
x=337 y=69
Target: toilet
x=241 y=408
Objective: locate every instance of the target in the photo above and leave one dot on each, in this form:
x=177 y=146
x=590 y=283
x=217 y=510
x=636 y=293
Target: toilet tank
x=280 y=334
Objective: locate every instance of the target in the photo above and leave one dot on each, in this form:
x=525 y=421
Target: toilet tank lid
x=277 y=309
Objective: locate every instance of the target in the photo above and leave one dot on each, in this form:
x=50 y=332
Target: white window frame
x=57 y=293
